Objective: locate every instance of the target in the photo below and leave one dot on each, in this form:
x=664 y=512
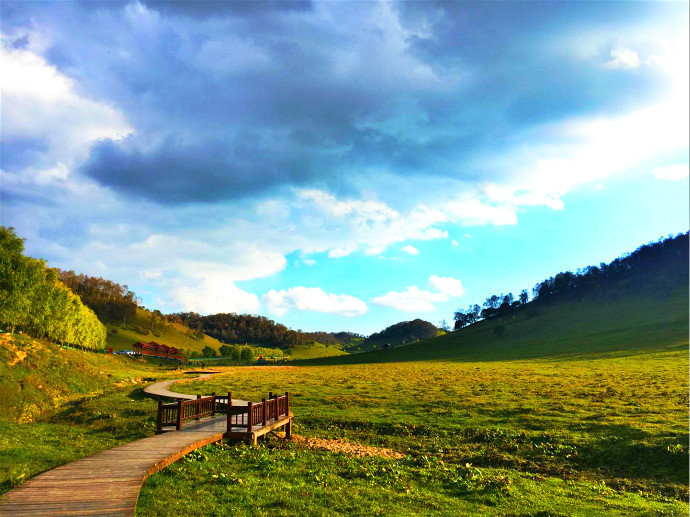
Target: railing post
x=287 y=403
x=159 y=418
x=213 y=404
x=249 y=419
x=263 y=403
x=198 y=407
x=178 y=426
x=228 y=409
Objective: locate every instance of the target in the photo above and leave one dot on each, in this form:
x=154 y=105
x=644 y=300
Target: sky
x=341 y=165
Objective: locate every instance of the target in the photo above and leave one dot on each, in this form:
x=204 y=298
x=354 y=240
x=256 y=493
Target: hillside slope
x=37 y=376
x=169 y=333
x=613 y=324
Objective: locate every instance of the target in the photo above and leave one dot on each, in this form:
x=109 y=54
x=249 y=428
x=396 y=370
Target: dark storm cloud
x=229 y=99
x=175 y=172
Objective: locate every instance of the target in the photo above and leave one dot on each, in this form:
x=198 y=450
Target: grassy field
x=581 y=410
x=314 y=350
x=171 y=334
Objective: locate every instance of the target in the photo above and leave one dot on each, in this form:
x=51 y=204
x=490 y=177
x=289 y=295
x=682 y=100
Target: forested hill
x=257 y=330
x=110 y=301
x=404 y=332
x=654 y=268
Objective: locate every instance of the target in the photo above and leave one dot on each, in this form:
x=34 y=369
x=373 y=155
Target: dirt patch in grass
x=344 y=447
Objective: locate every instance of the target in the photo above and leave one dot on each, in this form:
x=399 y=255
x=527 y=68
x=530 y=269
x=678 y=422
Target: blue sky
x=341 y=165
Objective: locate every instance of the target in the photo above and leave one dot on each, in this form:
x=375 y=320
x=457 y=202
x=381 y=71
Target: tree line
x=255 y=330
x=110 y=301
x=657 y=266
x=239 y=353
x=35 y=301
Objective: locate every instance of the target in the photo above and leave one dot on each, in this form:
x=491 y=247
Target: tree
x=208 y=351
x=524 y=297
x=247 y=354
x=492 y=302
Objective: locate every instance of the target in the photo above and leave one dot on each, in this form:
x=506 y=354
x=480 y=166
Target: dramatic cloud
x=202 y=145
x=312 y=299
x=247 y=102
x=46 y=124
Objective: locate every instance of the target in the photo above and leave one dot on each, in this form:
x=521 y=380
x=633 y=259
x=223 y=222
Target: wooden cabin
x=154 y=349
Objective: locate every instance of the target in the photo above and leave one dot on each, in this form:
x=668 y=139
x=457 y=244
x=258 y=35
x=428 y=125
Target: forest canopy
x=110 y=301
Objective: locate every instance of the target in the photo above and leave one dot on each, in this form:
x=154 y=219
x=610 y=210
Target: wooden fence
x=254 y=414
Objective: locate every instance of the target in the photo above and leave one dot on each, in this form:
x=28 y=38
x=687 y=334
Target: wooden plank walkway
x=108 y=483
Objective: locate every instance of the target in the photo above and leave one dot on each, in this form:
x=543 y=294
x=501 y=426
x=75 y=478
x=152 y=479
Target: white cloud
x=40 y=102
x=312 y=299
x=448 y=285
x=623 y=58
x=672 y=172
x=341 y=252
x=472 y=211
x=455 y=243
x=343 y=226
x=215 y=293
x=410 y=300
x=410 y=249
x=309 y=262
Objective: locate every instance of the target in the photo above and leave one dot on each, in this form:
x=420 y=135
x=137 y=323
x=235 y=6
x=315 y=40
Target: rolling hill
x=121 y=337
x=624 y=319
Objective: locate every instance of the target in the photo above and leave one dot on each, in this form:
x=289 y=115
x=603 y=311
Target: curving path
x=160 y=389
x=108 y=483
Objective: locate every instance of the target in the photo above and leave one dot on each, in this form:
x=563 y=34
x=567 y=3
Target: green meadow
x=581 y=409
x=570 y=408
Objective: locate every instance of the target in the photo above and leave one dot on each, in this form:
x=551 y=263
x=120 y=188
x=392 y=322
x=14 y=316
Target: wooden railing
x=272 y=409
x=247 y=417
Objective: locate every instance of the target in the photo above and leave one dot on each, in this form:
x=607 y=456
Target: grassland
x=581 y=410
x=314 y=350
x=167 y=333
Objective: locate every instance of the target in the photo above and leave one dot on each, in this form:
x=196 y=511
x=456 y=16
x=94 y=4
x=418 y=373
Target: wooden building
x=157 y=350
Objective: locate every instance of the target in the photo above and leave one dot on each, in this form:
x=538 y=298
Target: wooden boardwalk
x=108 y=483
